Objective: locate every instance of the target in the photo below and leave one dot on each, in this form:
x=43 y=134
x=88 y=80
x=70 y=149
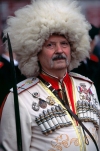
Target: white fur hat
x=34 y=23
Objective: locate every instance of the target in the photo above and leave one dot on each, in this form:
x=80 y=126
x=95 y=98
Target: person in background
x=96 y=52
x=97 y=46
x=50 y=38
x=90 y=67
x=6 y=81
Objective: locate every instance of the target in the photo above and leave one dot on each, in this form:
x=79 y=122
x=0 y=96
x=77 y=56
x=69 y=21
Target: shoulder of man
x=80 y=77
x=4 y=63
x=1 y=64
x=24 y=85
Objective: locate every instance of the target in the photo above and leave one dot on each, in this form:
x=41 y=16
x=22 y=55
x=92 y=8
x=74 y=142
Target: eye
x=50 y=45
x=64 y=44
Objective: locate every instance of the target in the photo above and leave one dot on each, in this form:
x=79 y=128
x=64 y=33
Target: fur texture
x=34 y=23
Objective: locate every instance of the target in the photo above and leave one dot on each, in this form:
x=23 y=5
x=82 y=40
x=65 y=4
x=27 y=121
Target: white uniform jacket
x=45 y=125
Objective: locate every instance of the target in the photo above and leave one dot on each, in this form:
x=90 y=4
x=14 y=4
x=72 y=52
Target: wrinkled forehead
x=55 y=38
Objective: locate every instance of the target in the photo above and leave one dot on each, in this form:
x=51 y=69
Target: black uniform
x=88 y=69
x=6 y=81
x=91 y=69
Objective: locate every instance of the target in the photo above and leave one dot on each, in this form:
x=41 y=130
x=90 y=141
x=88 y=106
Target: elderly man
x=50 y=38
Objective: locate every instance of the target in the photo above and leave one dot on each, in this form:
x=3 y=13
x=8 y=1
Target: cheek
x=45 y=56
x=68 y=53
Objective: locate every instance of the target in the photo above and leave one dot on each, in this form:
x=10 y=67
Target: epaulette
x=24 y=85
x=1 y=64
x=79 y=76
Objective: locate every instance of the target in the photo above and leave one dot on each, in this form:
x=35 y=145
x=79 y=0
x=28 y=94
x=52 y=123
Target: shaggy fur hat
x=34 y=23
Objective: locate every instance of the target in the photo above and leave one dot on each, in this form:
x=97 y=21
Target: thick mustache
x=59 y=56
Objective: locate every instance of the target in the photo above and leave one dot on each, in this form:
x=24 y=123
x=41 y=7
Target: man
x=48 y=41
x=96 y=52
x=90 y=66
x=6 y=81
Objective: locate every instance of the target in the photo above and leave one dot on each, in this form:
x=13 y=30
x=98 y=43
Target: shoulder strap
x=25 y=84
x=79 y=76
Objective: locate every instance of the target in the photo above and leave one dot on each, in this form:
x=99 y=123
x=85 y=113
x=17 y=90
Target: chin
x=61 y=67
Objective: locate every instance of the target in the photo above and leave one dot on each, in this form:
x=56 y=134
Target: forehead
x=55 y=38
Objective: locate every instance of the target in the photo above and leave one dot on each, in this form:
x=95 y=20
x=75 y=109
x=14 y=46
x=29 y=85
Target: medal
x=42 y=103
x=35 y=106
x=50 y=100
x=35 y=95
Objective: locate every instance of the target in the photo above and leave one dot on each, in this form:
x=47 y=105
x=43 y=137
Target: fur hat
x=34 y=23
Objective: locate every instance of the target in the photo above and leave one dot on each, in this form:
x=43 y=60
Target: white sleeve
x=99 y=131
x=99 y=114
x=8 y=139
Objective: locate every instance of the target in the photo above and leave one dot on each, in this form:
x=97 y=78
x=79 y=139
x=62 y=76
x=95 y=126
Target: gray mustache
x=59 y=56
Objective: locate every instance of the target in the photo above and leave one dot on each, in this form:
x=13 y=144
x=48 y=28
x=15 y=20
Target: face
x=55 y=54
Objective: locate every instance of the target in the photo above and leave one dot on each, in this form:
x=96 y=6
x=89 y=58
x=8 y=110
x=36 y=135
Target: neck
x=58 y=74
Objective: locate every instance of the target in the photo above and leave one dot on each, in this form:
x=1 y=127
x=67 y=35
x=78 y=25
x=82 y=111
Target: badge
x=35 y=95
x=82 y=88
x=35 y=106
x=42 y=103
x=50 y=100
x=82 y=97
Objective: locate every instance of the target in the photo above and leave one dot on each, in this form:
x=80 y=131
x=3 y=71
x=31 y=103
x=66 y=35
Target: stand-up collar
x=53 y=79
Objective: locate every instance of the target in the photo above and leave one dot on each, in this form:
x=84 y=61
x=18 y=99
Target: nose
x=58 y=48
